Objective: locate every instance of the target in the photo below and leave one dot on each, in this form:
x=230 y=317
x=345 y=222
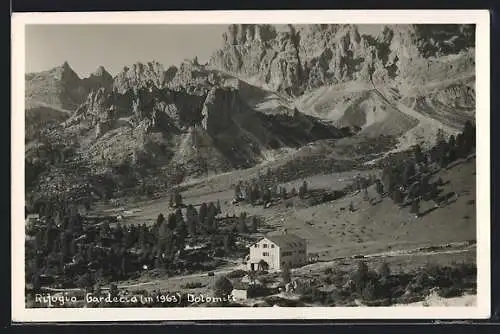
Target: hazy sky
x=85 y=47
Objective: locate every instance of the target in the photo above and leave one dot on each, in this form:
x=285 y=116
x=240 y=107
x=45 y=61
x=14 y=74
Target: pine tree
x=379 y=187
x=191 y=219
x=408 y=173
x=415 y=207
x=158 y=263
x=202 y=215
x=361 y=276
x=418 y=154
x=237 y=192
x=160 y=219
x=469 y=137
x=266 y=197
x=254 y=193
x=226 y=243
x=286 y=276
x=283 y=192
x=210 y=225
x=218 y=206
x=212 y=209
x=113 y=290
x=303 y=189
x=397 y=196
x=255 y=224
x=35 y=281
x=365 y=194
x=451 y=149
x=179 y=217
x=443 y=161
x=181 y=236
x=172 y=221
x=388 y=181
x=242 y=225
x=177 y=199
x=274 y=190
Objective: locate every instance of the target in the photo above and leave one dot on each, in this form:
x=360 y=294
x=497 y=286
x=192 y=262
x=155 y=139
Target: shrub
x=334 y=276
x=283 y=302
x=361 y=275
x=379 y=302
x=192 y=285
x=258 y=291
x=467 y=269
x=369 y=291
x=237 y=273
x=450 y=292
x=313 y=295
x=329 y=270
x=383 y=270
x=223 y=287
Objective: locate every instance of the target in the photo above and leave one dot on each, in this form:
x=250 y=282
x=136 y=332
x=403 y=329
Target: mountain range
x=266 y=92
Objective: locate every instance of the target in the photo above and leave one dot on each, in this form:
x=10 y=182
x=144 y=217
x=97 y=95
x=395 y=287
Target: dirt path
x=459 y=247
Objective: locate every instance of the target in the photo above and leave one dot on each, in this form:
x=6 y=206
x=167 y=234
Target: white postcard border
x=479 y=17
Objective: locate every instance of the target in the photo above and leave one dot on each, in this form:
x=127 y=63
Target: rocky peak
x=65 y=74
x=170 y=74
x=239 y=34
x=101 y=72
x=100 y=78
x=150 y=74
x=60 y=87
x=65 y=66
x=194 y=78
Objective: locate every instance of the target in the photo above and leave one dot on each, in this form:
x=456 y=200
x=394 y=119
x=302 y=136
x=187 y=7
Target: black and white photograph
x=239 y=167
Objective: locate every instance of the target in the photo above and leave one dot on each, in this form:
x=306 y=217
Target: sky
x=86 y=47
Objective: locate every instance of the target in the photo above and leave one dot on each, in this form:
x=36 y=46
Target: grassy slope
x=334 y=232
x=376 y=228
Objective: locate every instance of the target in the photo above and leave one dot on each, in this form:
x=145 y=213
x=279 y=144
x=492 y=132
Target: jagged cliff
x=297 y=58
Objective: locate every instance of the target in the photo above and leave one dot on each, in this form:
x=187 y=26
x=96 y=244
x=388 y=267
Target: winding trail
x=412 y=113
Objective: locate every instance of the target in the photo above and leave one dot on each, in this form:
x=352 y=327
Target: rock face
x=301 y=57
x=151 y=74
x=195 y=122
x=220 y=106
